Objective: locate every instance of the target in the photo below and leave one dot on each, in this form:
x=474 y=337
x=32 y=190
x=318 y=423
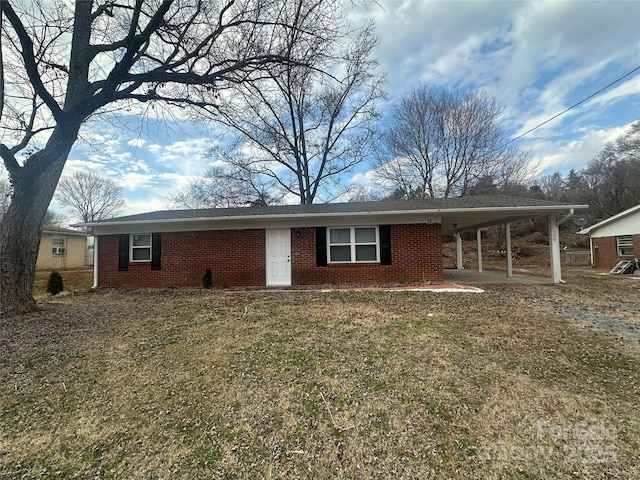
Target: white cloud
x=77 y=165
x=621 y=92
x=137 y=142
x=148 y=203
x=187 y=157
x=133 y=181
x=576 y=153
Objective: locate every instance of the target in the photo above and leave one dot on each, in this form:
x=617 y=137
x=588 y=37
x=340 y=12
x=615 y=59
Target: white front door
x=279 y=257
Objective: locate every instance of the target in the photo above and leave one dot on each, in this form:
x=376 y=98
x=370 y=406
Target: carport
x=478 y=218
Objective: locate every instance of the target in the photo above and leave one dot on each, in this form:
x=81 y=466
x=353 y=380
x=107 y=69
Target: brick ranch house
x=363 y=243
x=615 y=239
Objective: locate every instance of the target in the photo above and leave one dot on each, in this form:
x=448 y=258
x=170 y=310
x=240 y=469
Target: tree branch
x=29 y=59
x=10 y=162
x=133 y=42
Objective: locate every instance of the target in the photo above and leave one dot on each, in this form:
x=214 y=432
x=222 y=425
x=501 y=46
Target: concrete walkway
x=472 y=277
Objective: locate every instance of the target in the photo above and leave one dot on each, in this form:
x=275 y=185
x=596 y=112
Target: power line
x=572 y=106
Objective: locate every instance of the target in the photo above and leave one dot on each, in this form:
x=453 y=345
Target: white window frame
x=624 y=242
x=58 y=244
x=132 y=247
x=352 y=243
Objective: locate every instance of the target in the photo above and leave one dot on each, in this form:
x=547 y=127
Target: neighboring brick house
x=61 y=248
x=341 y=243
x=615 y=239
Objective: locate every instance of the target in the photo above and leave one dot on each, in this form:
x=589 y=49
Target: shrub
x=207 y=279
x=55 y=285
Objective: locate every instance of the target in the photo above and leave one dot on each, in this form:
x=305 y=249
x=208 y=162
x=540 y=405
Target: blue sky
x=537 y=58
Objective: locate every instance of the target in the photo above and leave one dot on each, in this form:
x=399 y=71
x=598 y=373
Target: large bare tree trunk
x=173 y=53
x=22 y=224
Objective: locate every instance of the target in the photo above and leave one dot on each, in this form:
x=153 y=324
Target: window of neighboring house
x=141 y=247
x=625 y=245
x=353 y=244
x=59 y=245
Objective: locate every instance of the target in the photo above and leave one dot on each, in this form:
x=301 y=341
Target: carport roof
x=454 y=214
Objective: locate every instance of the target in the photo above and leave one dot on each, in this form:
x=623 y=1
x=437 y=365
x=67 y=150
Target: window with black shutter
x=156 y=250
x=385 y=244
x=321 y=247
x=123 y=253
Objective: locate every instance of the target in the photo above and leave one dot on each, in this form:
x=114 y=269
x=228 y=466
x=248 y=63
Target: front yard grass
x=228 y=384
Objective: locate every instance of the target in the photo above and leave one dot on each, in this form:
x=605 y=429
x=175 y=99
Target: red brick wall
x=605 y=251
x=416 y=257
x=235 y=257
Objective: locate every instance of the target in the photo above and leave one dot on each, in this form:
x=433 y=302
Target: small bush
x=55 y=285
x=207 y=279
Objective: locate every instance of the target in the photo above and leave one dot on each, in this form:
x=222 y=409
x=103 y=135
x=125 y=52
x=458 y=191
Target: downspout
x=507 y=235
x=459 y=264
x=479 y=247
x=561 y=220
x=95 y=262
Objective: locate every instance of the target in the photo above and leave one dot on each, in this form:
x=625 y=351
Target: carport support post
x=479 y=244
x=507 y=231
x=459 y=252
x=554 y=247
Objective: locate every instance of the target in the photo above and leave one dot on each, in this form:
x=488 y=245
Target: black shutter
x=321 y=247
x=385 y=244
x=123 y=253
x=156 y=250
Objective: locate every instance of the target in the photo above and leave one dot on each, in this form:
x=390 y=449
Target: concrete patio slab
x=472 y=277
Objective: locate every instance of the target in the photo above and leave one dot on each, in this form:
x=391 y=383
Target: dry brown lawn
x=512 y=383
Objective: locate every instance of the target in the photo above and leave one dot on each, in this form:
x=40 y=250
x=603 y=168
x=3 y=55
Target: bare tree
x=608 y=184
x=439 y=143
x=363 y=194
x=299 y=128
x=221 y=187
x=614 y=175
x=90 y=196
x=54 y=218
x=63 y=65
